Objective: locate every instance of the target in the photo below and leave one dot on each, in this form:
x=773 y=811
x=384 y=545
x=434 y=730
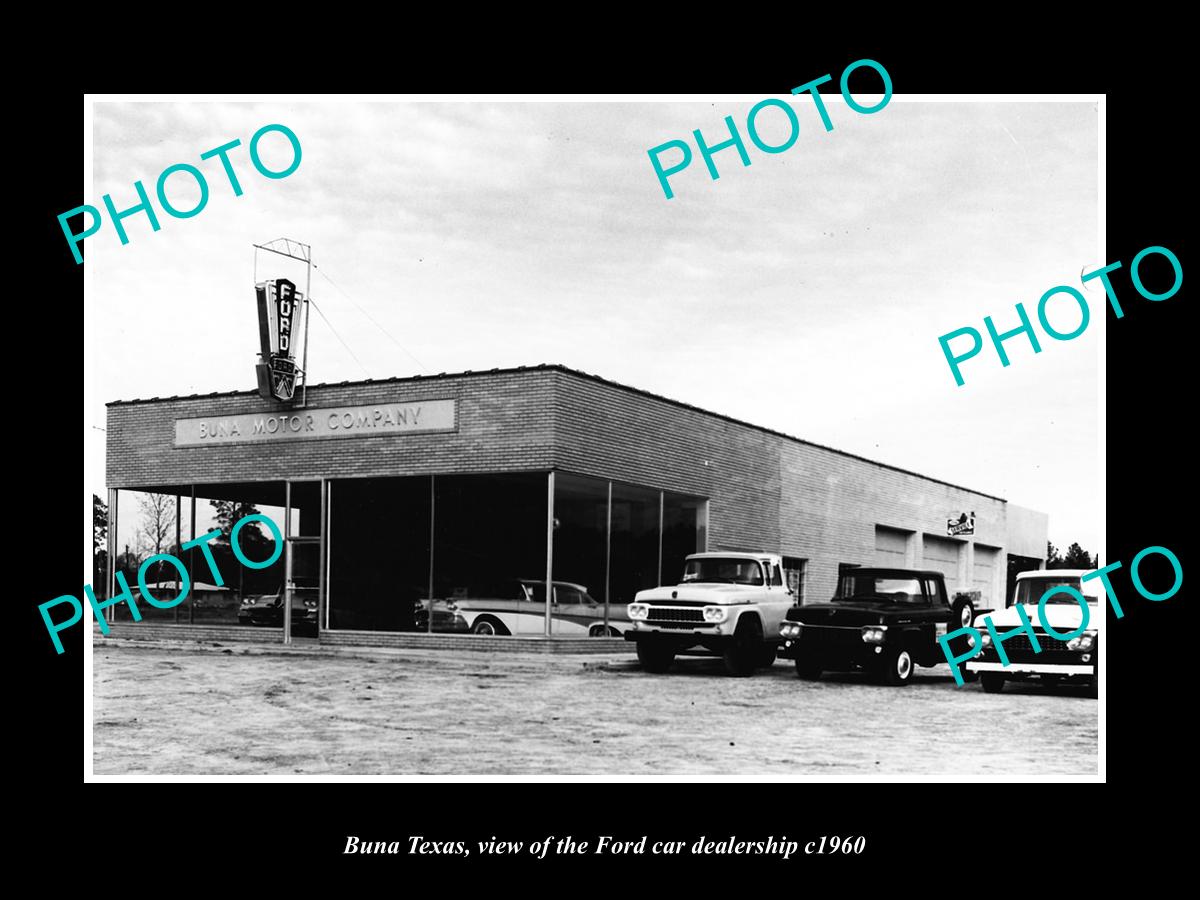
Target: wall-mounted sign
x=278 y=318
x=964 y=524
x=408 y=417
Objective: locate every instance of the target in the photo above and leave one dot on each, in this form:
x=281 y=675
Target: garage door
x=942 y=556
x=984 y=577
x=890 y=546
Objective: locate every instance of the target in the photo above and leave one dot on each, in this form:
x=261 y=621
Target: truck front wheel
x=655 y=657
x=897 y=666
x=807 y=669
x=746 y=649
x=992 y=682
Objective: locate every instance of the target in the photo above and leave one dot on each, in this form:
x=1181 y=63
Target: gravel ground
x=250 y=710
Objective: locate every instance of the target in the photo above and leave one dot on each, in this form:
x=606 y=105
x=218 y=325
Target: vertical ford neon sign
x=278 y=316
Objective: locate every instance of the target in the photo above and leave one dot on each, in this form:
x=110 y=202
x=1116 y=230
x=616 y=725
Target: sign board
x=964 y=524
x=278 y=320
x=393 y=418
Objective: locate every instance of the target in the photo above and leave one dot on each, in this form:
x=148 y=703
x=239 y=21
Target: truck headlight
x=789 y=629
x=715 y=613
x=1085 y=641
x=874 y=634
x=985 y=638
x=638 y=611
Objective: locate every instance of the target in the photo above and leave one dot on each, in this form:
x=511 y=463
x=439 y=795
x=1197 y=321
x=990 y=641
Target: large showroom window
x=612 y=540
x=468 y=554
x=378 y=553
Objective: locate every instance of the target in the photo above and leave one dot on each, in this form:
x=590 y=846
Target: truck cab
x=884 y=621
x=725 y=603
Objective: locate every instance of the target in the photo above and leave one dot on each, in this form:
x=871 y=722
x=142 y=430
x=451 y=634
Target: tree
x=228 y=513
x=1053 y=559
x=158 y=525
x=99 y=524
x=1078 y=558
x=251 y=539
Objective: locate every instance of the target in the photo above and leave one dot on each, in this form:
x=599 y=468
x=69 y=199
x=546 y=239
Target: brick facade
x=767 y=490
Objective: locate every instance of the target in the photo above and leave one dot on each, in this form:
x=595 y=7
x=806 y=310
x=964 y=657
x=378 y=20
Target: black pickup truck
x=886 y=621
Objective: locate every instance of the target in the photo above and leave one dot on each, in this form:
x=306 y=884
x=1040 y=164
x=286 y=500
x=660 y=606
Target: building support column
x=432 y=522
x=607 y=558
x=322 y=601
x=287 y=562
x=661 y=501
x=549 y=547
x=178 y=545
x=191 y=563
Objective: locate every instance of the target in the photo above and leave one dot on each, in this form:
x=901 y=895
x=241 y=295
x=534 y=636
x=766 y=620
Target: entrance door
x=302 y=584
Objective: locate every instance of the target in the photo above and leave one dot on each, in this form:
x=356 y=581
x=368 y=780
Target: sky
x=804 y=293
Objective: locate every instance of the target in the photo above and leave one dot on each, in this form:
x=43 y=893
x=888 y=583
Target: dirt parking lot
x=257 y=710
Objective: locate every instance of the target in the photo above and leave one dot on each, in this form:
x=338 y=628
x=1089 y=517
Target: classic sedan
x=266 y=610
x=518 y=606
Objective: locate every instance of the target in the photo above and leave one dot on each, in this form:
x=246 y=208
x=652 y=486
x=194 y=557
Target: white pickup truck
x=727 y=603
x=1055 y=661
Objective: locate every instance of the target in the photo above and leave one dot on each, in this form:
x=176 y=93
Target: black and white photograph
x=661 y=437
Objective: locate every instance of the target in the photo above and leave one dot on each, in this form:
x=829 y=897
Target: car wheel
x=655 y=657
x=745 y=649
x=993 y=682
x=599 y=630
x=898 y=666
x=488 y=625
x=808 y=670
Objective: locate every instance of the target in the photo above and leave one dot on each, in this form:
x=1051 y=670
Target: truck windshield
x=722 y=570
x=877 y=587
x=1030 y=590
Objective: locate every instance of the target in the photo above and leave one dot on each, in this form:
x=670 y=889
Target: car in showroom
x=728 y=604
x=266 y=610
x=518 y=606
x=882 y=621
x=1073 y=661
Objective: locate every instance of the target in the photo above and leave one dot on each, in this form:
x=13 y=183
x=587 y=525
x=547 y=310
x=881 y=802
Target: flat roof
x=566 y=370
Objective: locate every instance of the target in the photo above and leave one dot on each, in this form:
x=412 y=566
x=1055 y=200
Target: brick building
x=406 y=501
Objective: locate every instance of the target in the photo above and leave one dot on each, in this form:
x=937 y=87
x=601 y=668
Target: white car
x=1075 y=661
x=518 y=606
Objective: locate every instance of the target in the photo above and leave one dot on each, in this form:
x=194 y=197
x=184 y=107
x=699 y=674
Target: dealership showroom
x=531 y=503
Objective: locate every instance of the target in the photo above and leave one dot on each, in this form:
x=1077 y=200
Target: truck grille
x=1021 y=644
x=823 y=634
x=674 y=617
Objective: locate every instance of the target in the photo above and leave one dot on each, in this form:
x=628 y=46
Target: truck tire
x=745 y=649
x=992 y=682
x=962 y=614
x=807 y=669
x=897 y=665
x=655 y=657
x=767 y=659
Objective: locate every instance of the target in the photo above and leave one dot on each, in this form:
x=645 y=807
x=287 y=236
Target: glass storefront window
x=461 y=553
x=490 y=553
x=378 y=545
x=581 y=559
x=684 y=527
x=635 y=542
